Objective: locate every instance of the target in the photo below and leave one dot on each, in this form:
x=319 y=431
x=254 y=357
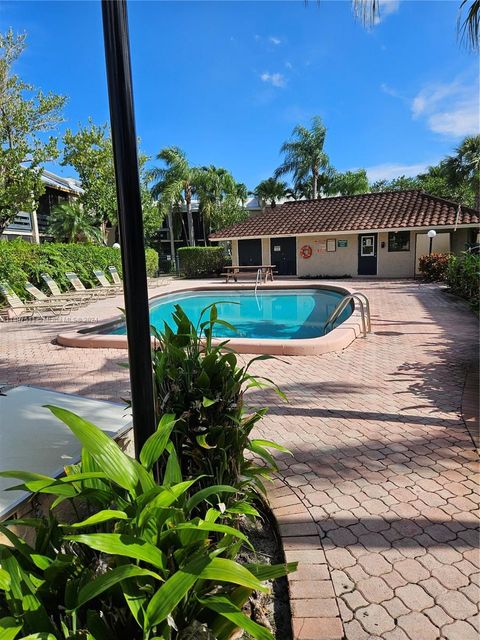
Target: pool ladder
x=364 y=304
x=258 y=279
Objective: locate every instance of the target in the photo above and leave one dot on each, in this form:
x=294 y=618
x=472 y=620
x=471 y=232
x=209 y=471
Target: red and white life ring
x=306 y=251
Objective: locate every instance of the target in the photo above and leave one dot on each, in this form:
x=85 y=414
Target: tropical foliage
x=270 y=191
x=89 y=151
x=198 y=262
x=26 y=116
x=304 y=157
x=203 y=386
x=70 y=222
x=22 y=261
x=433 y=267
x=141 y=558
x=349 y=183
x=463 y=277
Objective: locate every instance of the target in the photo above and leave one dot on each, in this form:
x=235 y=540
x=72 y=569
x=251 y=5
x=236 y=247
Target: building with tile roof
x=378 y=234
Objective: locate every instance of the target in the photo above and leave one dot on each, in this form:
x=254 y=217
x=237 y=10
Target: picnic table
x=232 y=271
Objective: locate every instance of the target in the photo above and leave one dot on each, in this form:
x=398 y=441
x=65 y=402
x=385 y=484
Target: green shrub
x=137 y=561
x=203 y=385
x=21 y=261
x=196 y=262
x=434 y=267
x=463 y=276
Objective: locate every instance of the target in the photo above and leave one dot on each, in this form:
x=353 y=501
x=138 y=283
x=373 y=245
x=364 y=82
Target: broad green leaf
x=156 y=443
x=43 y=635
x=165 y=600
x=173 y=473
x=225 y=570
x=272 y=445
x=9 y=628
x=123 y=545
x=105 y=451
x=202 y=441
x=244 y=508
x=4 y=580
x=207 y=402
x=271 y=571
x=111 y=578
x=97 y=518
x=203 y=494
x=210 y=526
x=227 y=609
x=164 y=499
x=42 y=562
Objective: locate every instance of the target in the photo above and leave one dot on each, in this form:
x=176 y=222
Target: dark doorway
x=283 y=254
x=367 y=254
x=249 y=253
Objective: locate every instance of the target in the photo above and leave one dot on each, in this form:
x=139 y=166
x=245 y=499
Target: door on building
x=249 y=252
x=283 y=254
x=367 y=254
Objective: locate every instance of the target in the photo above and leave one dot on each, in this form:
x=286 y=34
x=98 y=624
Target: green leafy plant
x=21 y=261
x=136 y=561
x=200 y=382
x=463 y=277
x=196 y=262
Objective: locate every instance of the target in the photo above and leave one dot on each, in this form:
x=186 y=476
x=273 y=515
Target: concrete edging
x=315 y=613
x=336 y=340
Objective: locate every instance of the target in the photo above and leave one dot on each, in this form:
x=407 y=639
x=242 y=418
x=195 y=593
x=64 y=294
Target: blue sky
x=227 y=81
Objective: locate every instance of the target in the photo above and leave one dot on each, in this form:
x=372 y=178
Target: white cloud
x=450 y=109
x=288 y=65
x=274 y=40
x=391 y=170
x=275 y=79
x=386 y=8
x=390 y=91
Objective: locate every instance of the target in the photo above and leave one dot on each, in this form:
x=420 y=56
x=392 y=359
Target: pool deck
x=380 y=500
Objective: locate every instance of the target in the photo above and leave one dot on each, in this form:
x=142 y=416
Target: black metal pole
x=120 y=94
x=431 y=244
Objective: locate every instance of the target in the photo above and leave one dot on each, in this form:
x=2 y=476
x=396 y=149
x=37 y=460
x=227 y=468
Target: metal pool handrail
x=258 y=279
x=364 y=304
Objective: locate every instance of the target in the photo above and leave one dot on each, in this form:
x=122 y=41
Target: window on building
x=399 y=241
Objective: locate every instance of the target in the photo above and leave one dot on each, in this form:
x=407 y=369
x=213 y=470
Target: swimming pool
x=287 y=314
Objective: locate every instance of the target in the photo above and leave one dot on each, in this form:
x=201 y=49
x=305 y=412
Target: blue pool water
x=271 y=314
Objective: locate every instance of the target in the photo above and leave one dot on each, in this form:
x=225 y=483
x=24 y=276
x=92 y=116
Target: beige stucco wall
x=266 y=251
x=395 y=264
x=235 y=252
x=440 y=244
x=459 y=238
x=342 y=261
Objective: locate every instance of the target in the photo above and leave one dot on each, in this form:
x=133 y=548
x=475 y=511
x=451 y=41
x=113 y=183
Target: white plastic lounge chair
x=78 y=285
x=115 y=275
x=102 y=278
x=82 y=296
x=31 y=309
x=37 y=294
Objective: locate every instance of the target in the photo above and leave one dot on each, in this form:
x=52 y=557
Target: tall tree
x=174 y=184
x=71 y=222
x=349 y=183
x=217 y=191
x=304 y=155
x=463 y=168
x=270 y=191
x=26 y=114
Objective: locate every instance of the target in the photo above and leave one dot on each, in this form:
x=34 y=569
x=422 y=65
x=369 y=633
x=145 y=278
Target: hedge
x=22 y=261
x=434 y=267
x=463 y=277
x=196 y=262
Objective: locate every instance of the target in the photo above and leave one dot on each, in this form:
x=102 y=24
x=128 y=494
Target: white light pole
x=431 y=234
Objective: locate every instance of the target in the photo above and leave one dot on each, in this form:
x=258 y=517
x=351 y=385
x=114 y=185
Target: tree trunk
x=191 y=231
x=315 y=183
x=172 y=239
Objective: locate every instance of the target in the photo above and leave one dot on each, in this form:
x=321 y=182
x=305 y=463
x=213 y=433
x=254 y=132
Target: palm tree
x=213 y=186
x=464 y=166
x=304 y=154
x=70 y=222
x=270 y=191
x=175 y=184
x=468 y=27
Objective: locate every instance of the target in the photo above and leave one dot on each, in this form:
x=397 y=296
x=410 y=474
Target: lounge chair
x=83 y=297
x=102 y=278
x=115 y=275
x=77 y=284
x=31 y=309
x=37 y=294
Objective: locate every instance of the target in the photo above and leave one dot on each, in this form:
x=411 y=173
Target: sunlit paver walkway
x=381 y=456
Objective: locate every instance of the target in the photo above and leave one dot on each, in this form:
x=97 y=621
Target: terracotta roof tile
x=387 y=210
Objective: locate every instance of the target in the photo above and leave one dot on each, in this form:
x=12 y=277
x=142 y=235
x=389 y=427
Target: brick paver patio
x=380 y=498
